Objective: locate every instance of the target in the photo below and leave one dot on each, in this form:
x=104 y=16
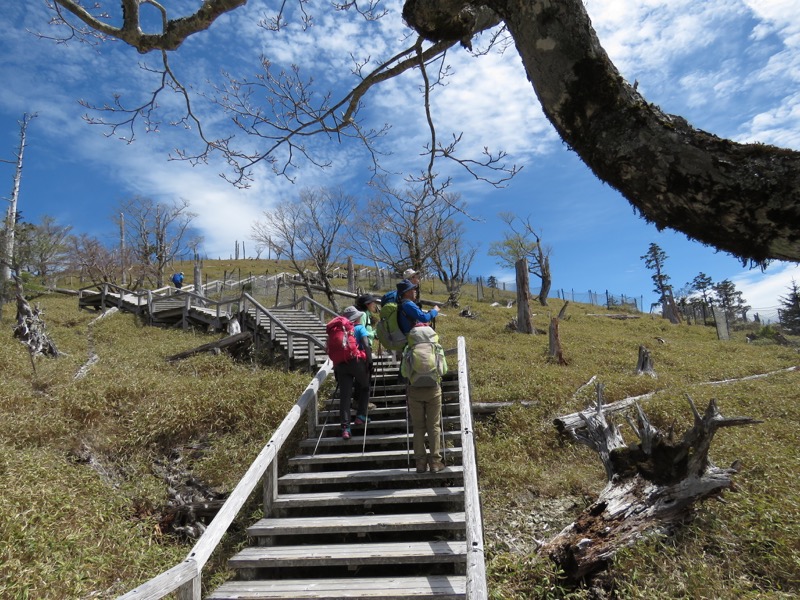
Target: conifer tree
x=731 y=300
x=790 y=313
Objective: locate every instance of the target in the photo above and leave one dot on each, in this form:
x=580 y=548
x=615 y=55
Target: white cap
x=408 y=273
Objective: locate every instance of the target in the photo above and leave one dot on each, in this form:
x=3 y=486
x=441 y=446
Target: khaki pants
x=425 y=406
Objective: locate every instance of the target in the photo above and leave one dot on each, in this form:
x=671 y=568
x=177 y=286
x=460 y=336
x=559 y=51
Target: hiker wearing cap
x=353 y=375
x=413 y=276
x=368 y=304
x=177 y=280
x=408 y=313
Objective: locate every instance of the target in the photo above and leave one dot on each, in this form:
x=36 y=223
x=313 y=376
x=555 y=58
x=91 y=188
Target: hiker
x=408 y=313
x=368 y=304
x=422 y=366
x=413 y=277
x=177 y=280
x=349 y=352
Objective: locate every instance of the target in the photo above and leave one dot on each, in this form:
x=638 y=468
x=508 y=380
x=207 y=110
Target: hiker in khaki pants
x=422 y=367
x=425 y=406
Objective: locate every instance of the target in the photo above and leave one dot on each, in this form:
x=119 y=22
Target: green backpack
x=423 y=363
x=388 y=330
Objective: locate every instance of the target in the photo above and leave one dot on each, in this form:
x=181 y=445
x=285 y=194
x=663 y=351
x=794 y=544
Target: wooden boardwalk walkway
x=342 y=519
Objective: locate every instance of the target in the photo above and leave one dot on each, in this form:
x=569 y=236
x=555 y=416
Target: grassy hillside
x=81 y=460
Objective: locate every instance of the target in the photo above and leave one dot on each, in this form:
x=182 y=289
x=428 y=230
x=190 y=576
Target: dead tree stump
x=652 y=485
x=644 y=366
x=556 y=353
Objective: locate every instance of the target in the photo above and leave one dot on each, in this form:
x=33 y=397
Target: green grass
x=81 y=499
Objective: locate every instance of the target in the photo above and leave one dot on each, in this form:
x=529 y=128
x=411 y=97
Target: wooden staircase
x=353 y=519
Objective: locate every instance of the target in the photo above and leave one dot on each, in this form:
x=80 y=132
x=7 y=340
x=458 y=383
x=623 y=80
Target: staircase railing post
x=186 y=304
x=312 y=415
x=270 y=486
x=191 y=590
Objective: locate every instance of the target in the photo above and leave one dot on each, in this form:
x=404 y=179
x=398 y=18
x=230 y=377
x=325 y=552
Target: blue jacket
x=409 y=314
x=362 y=337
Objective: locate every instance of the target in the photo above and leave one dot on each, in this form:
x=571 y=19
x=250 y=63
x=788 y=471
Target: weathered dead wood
x=563 y=312
x=652 y=485
x=567 y=423
x=556 y=352
x=613 y=316
x=226 y=343
x=584 y=386
x=93 y=357
x=488 y=408
x=30 y=330
x=65 y=291
x=524 y=322
x=644 y=365
x=191 y=504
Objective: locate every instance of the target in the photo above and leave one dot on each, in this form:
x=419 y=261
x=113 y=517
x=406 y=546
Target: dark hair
x=362 y=301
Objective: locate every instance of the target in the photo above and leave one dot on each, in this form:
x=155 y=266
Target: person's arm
x=419 y=316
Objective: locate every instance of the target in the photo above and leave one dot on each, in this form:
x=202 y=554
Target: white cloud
x=762 y=291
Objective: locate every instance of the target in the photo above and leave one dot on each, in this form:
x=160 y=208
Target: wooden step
x=350 y=555
x=333 y=427
x=369 y=476
x=369 y=497
x=311 y=460
x=373 y=439
x=434 y=587
x=358 y=524
x=386 y=411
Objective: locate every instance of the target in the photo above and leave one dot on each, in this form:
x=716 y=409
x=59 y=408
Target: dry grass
x=81 y=500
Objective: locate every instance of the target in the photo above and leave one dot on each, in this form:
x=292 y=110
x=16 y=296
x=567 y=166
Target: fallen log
x=226 y=343
x=565 y=423
x=652 y=486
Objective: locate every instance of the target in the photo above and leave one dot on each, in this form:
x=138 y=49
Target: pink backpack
x=341 y=344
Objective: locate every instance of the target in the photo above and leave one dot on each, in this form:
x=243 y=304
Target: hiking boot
x=422 y=465
x=360 y=420
x=436 y=466
x=345 y=432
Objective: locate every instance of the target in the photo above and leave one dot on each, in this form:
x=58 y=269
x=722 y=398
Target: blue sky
x=730 y=67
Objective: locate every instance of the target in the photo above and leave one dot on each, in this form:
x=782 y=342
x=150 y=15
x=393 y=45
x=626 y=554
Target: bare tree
x=10 y=223
x=452 y=261
x=522 y=241
x=156 y=234
x=92 y=260
x=708 y=188
x=405 y=228
x=308 y=230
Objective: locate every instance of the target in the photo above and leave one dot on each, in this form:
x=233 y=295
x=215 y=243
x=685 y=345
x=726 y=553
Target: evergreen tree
x=491 y=281
x=730 y=300
x=790 y=314
x=654 y=260
x=703 y=284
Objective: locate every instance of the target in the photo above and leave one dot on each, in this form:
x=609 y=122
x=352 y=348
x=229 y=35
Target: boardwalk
x=342 y=519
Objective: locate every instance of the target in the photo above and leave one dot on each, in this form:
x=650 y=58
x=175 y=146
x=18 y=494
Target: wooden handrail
x=476 y=563
x=278 y=323
x=188 y=572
